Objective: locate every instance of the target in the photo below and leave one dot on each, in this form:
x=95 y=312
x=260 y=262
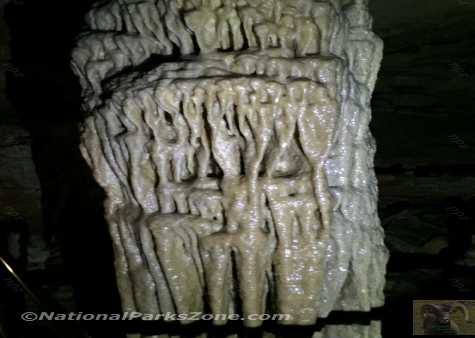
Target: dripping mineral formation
x=232 y=140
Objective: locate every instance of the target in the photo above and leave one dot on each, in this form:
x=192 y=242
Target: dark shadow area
x=46 y=98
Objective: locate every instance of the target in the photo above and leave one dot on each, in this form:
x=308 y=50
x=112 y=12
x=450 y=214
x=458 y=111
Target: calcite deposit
x=231 y=138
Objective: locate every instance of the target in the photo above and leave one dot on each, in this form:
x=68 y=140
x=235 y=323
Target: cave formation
x=232 y=140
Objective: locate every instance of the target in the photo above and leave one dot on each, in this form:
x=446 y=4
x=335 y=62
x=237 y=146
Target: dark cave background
x=423 y=120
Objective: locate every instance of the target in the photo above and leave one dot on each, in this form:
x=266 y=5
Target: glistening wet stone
x=240 y=176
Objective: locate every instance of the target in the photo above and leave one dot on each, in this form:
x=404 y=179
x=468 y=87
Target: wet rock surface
x=425 y=151
x=239 y=178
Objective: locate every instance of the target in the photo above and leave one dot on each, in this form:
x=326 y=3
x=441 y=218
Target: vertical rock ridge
x=242 y=170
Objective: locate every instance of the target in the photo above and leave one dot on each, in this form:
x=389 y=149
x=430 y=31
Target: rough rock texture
x=347 y=331
x=232 y=141
x=20 y=208
x=469 y=259
x=425 y=84
x=20 y=193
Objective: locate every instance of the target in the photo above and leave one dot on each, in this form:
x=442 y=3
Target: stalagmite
x=232 y=140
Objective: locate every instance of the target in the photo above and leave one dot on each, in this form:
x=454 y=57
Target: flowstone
x=232 y=140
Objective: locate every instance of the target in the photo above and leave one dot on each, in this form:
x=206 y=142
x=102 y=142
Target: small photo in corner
x=444 y=317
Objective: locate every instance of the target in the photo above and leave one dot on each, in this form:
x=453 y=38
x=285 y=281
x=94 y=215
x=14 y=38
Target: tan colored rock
x=241 y=175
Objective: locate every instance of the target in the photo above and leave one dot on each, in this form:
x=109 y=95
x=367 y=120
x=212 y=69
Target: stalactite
x=240 y=175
